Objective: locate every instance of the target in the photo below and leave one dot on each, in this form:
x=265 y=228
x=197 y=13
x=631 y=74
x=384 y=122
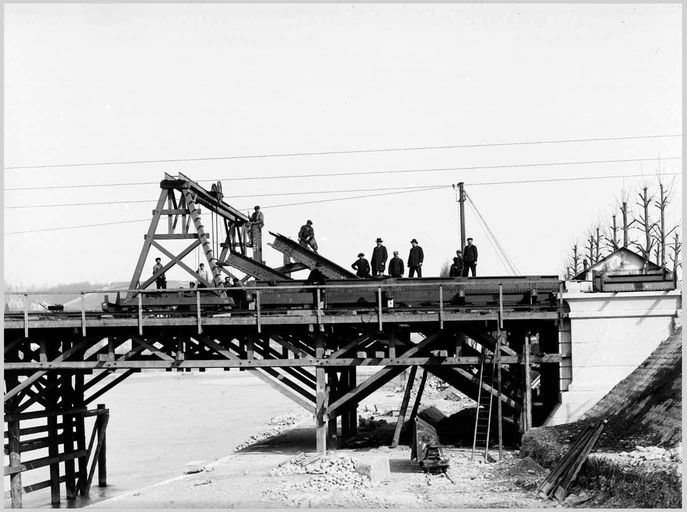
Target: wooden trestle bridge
x=304 y=339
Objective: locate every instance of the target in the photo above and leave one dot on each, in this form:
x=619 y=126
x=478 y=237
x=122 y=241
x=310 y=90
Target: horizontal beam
x=46 y=461
x=306 y=318
x=276 y=363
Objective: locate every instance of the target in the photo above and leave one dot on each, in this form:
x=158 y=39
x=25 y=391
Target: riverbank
x=160 y=421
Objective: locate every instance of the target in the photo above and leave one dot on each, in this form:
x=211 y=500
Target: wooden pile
x=561 y=476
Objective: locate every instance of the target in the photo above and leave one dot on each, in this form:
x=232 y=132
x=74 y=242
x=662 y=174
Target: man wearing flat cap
x=306 y=236
x=257 y=221
x=396 y=268
x=361 y=267
x=470 y=259
x=379 y=256
x=415 y=259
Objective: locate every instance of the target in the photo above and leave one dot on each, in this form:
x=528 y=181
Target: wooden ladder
x=484 y=407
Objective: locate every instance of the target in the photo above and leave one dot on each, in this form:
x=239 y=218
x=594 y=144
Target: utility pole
x=461 y=200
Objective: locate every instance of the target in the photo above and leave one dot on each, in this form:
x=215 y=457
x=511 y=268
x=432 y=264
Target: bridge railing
x=256 y=291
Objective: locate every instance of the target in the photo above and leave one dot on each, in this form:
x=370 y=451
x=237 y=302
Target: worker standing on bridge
x=456 y=269
x=161 y=280
x=362 y=267
x=415 y=259
x=396 y=266
x=204 y=276
x=470 y=259
x=306 y=236
x=257 y=221
x=379 y=257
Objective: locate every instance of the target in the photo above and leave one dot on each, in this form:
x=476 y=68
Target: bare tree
x=627 y=223
x=575 y=262
x=661 y=233
x=646 y=226
x=612 y=241
x=676 y=247
x=445 y=268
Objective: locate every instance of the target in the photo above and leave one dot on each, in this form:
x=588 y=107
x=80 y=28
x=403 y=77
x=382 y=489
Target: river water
x=159 y=421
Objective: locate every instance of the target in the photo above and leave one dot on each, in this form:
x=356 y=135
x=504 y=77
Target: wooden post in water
x=13 y=433
x=102 y=456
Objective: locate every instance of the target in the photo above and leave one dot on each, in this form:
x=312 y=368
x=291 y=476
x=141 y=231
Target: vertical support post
x=379 y=306
x=68 y=430
x=16 y=489
x=320 y=399
x=26 y=315
x=441 y=307
x=53 y=443
x=418 y=397
x=318 y=310
x=80 y=431
x=257 y=310
x=83 y=314
x=528 y=384
x=200 y=327
x=250 y=350
x=102 y=456
x=461 y=202
x=497 y=356
x=140 y=314
x=404 y=407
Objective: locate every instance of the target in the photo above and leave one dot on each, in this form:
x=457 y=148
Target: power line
x=306 y=192
x=75 y=227
x=340 y=152
x=312 y=192
x=418 y=189
x=361 y=173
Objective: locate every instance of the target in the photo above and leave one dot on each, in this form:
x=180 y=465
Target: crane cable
x=496 y=250
x=510 y=263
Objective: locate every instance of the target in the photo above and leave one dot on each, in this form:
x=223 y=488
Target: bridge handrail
x=295 y=286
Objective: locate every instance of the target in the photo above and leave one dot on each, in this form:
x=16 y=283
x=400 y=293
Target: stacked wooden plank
x=561 y=476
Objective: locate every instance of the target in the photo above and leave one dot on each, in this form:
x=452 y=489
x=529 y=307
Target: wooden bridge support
x=57 y=373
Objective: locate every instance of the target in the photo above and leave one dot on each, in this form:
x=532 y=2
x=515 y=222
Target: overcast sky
x=113 y=83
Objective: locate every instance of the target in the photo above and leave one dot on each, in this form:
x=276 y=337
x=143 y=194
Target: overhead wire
x=361 y=173
x=340 y=152
x=493 y=235
x=341 y=191
x=417 y=189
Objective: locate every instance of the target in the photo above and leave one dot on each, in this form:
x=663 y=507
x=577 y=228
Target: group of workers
x=463 y=263
x=377 y=267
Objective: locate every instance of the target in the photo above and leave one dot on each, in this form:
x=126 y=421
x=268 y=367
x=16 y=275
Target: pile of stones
x=654 y=453
x=331 y=472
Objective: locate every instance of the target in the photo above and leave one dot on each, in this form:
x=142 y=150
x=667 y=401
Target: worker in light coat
x=415 y=259
x=379 y=257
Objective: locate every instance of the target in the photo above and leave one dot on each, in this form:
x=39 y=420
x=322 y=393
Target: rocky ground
x=278 y=467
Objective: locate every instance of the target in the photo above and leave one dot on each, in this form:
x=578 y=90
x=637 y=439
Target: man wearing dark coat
x=396 y=266
x=415 y=259
x=470 y=259
x=379 y=257
x=456 y=269
x=362 y=267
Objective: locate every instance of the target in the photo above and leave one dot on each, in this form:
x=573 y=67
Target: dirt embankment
x=637 y=460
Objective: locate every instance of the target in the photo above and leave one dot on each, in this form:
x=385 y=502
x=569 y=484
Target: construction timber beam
x=253 y=268
x=309 y=258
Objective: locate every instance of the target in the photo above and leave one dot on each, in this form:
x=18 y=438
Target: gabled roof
x=624 y=253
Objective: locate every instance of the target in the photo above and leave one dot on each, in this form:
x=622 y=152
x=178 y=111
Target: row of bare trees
x=645 y=229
